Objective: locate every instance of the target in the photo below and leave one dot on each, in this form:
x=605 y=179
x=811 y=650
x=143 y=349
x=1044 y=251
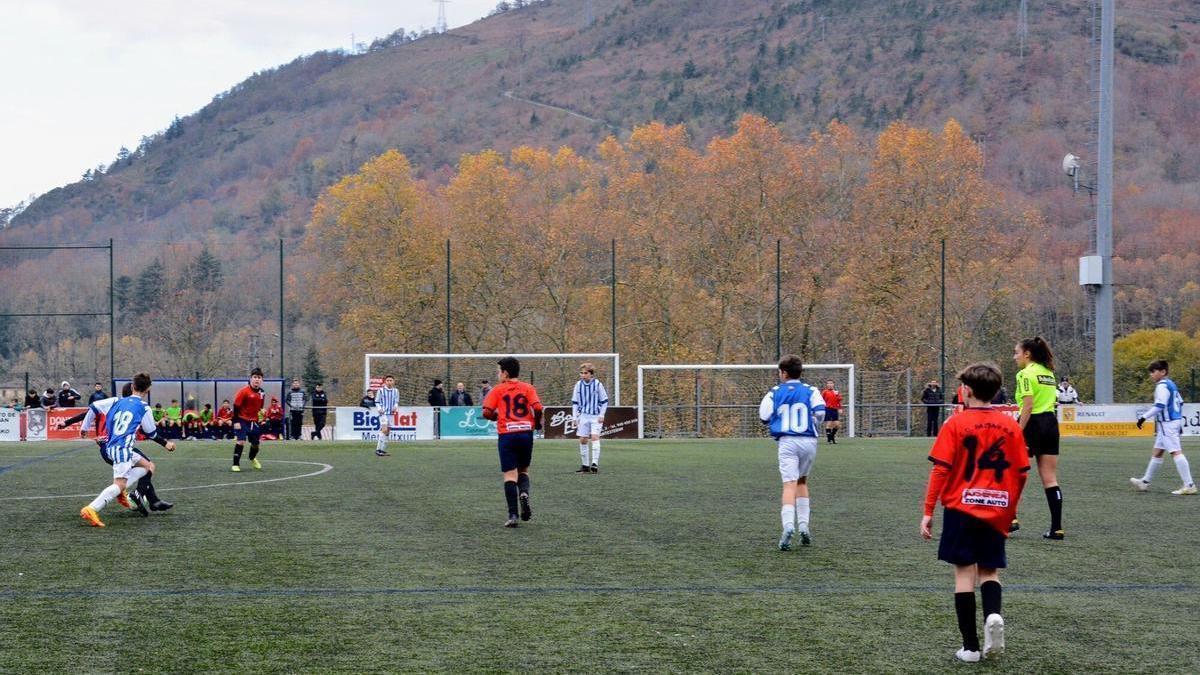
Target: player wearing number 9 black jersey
x=515 y=407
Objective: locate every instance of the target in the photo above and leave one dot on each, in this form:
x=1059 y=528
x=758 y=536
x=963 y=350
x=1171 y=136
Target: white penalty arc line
x=325 y=468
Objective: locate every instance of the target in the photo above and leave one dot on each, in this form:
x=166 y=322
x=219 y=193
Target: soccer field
x=665 y=561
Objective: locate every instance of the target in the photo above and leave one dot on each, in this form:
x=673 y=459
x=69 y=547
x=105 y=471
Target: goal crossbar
x=616 y=359
x=848 y=367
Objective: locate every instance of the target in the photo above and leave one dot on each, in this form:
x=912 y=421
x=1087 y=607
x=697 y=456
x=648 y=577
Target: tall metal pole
x=613 y=293
x=112 y=323
x=943 y=366
x=1104 y=234
x=448 y=350
x=281 y=308
x=778 y=299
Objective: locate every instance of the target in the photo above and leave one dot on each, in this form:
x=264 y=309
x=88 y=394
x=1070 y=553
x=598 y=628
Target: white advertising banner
x=1118 y=420
x=360 y=424
x=10 y=425
x=35 y=424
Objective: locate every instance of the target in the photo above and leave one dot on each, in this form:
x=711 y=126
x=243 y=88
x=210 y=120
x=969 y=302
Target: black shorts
x=516 y=450
x=967 y=540
x=249 y=430
x=1041 y=434
x=831 y=415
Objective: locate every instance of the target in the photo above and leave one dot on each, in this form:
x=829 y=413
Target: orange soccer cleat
x=123 y=500
x=89 y=514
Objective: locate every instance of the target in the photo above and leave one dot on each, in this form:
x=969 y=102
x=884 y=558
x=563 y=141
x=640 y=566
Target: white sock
x=135 y=474
x=596 y=452
x=802 y=512
x=1185 y=471
x=1152 y=468
x=583 y=454
x=381 y=444
x=110 y=493
x=788 y=515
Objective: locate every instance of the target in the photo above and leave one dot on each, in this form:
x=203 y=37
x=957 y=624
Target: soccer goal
x=554 y=375
x=721 y=401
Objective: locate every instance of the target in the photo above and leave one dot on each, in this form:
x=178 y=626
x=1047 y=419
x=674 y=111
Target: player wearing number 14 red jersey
x=515 y=407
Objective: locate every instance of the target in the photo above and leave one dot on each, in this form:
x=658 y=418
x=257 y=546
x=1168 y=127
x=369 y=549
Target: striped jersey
x=125 y=417
x=792 y=408
x=1168 y=403
x=97 y=415
x=387 y=399
x=589 y=398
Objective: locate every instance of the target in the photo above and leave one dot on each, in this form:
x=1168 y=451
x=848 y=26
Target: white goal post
x=722 y=400
x=554 y=374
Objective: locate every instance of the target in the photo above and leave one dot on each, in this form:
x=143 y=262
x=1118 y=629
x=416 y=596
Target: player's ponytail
x=1039 y=351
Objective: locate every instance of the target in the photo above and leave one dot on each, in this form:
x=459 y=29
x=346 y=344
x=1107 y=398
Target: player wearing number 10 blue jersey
x=793 y=411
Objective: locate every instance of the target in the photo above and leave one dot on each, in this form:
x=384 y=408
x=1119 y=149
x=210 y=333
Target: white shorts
x=796 y=455
x=589 y=425
x=385 y=422
x=123 y=469
x=1166 y=435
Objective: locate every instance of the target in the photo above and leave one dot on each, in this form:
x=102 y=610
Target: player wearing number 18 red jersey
x=515 y=407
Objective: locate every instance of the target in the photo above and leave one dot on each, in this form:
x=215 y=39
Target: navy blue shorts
x=516 y=450
x=249 y=430
x=967 y=540
x=831 y=415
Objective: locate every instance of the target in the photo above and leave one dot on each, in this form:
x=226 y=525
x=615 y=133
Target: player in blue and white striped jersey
x=387 y=403
x=125 y=418
x=1167 y=413
x=793 y=411
x=589 y=402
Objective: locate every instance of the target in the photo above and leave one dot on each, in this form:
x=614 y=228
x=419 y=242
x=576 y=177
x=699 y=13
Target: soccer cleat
x=966 y=656
x=1139 y=484
x=160 y=505
x=382 y=453
x=256 y=464
x=993 y=636
x=1057 y=535
x=123 y=500
x=89 y=514
x=1185 y=490
x=805 y=537
x=1014 y=526
x=139 y=503
x=235 y=468
x=583 y=468
x=526 y=512
x=595 y=468
x=785 y=539
x=512 y=520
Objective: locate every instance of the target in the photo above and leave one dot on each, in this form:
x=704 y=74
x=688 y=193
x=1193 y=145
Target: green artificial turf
x=665 y=561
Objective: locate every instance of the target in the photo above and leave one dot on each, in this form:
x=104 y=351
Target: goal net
x=721 y=401
x=554 y=375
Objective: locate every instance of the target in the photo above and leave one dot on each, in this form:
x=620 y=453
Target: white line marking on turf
x=325 y=468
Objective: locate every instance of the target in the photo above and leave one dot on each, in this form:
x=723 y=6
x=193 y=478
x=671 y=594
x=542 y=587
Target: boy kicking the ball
x=980 y=464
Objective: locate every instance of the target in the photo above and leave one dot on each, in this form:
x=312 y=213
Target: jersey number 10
x=793 y=418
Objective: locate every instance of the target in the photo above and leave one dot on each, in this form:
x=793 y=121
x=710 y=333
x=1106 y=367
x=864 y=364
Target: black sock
x=237 y=454
x=146 y=489
x=1054 y=499
x=964 y=607
x=253 y=450
x=829 y=435
x=833 y=434
x=510 y=496
x=523 y=483
x=989 y=592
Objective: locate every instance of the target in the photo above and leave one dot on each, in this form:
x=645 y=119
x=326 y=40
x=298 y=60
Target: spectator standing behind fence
x=49 y=400
x=32 y=400
x=484 y=388
x=296 y=399
x=933 y=398
x=437 y=396
x=68 y=397
x=1066 y=393
x=461 y=396
x=97 y=394
x=320 y=407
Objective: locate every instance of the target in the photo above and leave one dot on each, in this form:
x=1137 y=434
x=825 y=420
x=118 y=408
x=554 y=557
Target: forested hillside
x=249 y=167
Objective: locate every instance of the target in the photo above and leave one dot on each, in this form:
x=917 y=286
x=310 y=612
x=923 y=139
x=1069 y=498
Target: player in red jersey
x=247 y=405
x=980 y=465
x=833 y=410
x=515 y=407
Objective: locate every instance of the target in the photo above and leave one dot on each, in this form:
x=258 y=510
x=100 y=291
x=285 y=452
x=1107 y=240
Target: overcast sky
x=81 y=78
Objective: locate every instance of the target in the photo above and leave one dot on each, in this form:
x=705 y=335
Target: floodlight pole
x=1104 y=232
x=112 y=328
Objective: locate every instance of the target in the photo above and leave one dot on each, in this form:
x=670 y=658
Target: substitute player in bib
x=515 y=407
x=387 y=404
x=589 y=401
x=247 y=404
x=793 y=411
x=125 y=419
x=1037 y=394
x=833 y=410
x=980 y=465
x=1167 y=413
